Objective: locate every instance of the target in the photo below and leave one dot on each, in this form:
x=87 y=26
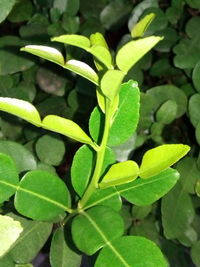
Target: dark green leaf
x=193 y=3
x=167 y=112
x=194 y=108
x=195 y=253
x=141 y=212
x=196 y=76
x=22 y=11
x=6 y=7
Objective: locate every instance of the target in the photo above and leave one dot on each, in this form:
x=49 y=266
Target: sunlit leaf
x=73 y=39
x=98 y=39
x=140 y=28
x=102 y=54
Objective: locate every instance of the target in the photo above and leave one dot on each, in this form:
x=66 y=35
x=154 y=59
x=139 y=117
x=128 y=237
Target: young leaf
x=9 y=232
x=143 y=192
x=45 y=52
x=82 y=69
x=110 y=83
x=160 y=158
x=41 y=196
x=73 y=39
x=120 y=173
x=102 y=54
x=96 y=228
x=20 y=108
x=133 y=51
x=140 y=28
x=102 y=103
x=66 y=127
x=60 y=253
x=131 y=251
x=8 y=177
x=98 y=39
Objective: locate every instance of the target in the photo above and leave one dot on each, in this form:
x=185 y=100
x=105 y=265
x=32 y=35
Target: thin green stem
x=100 y=158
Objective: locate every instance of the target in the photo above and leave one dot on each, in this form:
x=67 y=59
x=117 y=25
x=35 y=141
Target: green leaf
x=143 y=192
x=41 y=196
x=193 y=3
x=139 y=213
x=73 y=39
x=83 y=163
x=133 y=51
x=126 y=114
x=53 y=154
x=102 y=54
x=31 y=240
x=131 y=251
x=66 y=127
x=140 y=28
x=8 y=175
x=110 y=83
x=22 y=11
x=20 y=108
x=120 y=173
x=195 y=253
x=167 y=112
x=82 y=69
x=160 y=158
x=93 y=229
x=98 y=39
x=194 y=108
x=102 y=102
x=177 y=212
x=107 y=197
x=60 y=253
x=22 y=157
x=9 y=232
x=6 y=7
x=45 y=52
x=196 y=76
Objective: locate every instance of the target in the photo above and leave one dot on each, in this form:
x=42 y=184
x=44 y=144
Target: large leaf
x=120 y=173
x=140 y=28
x=133 y=51
x=9 y=232
x=8 y=175
x=143 y=192
x=6 y=7
x=73 y=39
x=41 y=196
x=20 y=108
x=95 y=228
x=125 y=120
x=60 y=253
x=160 y=158
x=66 y=127
x=131 y=251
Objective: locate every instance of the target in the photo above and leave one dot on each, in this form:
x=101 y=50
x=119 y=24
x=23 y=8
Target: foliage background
x=168 y=76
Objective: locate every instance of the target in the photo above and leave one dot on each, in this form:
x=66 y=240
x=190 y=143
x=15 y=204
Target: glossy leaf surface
x=41 y=196
x=94 y=228
x=143 y=192
x=140 y=28
x=160 y=158
x=20 y=108
x=120 y=173
x=73 y=39
x=131 y=251
x=133 y=51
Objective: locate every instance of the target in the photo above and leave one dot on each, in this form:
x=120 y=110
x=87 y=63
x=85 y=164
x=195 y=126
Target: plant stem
x=100 y=158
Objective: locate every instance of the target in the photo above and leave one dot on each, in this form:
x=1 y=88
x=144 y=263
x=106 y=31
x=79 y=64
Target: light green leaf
x=66 y=127
x=9 y=232
x=8 y=174
x=120 y=173
x=20 y=108
x=102 y=102
x=102 y=54
x=142 y=192
x=98 y=39
x=160 y=158
x=31 y=240
x=60 y=253
x=196 y=76
x=82 y=69
x=41 y=196
x=140 y=28
x=45 y=52
x=133 y=51
x=6 y=7
x=131 y=251
x=73 y=39
x=95 y=228
x=111 y=82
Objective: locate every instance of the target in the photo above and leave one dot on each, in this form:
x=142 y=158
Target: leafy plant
x=91 y=215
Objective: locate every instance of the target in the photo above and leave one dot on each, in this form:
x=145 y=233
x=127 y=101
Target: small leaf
x=133 y=51
x=131 y=251
x=96 y=228
x=111 y=82
x=66 y=127
x=196 y=76
x=82 y=69
x=140 y=28
x=167 y=112
x=73 y=39
x=20 y=108
x=120 y=173
x=98 y=39
x=160 y=158
x=102 y=103
x=41 y=196
x=102 y=54
x=9 y=232
x=45 y=52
